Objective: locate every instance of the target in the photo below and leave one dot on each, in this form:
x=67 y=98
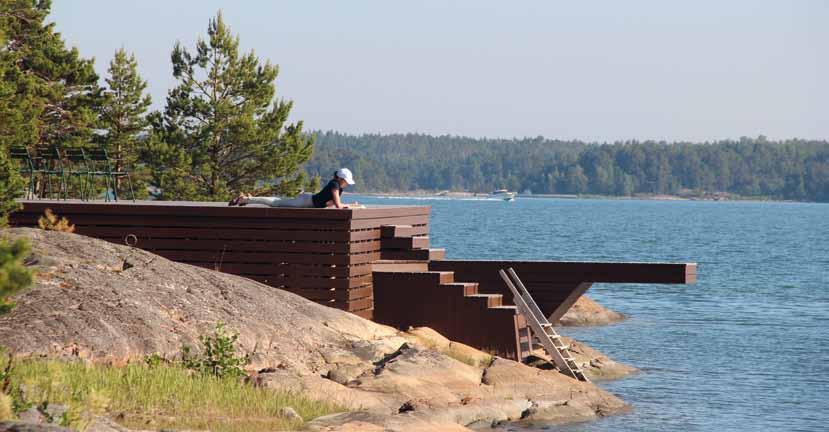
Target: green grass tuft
x=162 y=396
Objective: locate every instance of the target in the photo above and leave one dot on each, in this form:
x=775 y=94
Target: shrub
x=14 y=276
x=52 y=222
x=218 y=355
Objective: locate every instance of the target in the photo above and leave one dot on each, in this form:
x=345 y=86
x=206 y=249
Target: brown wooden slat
x=207 y=233
x=559 y=271
x=415 y=254
x=395 y=231
x=382 y=212
x=256 y=246
x=400 y=265
x=312 y=282
x=292 y=268
x=401 y=220
x=406 y=243
x=265 y=258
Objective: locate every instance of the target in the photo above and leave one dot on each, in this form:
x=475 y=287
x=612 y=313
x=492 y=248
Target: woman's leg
x=268 y=201
x=302 y=201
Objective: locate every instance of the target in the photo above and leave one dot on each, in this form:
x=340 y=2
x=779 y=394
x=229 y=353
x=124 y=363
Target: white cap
x=345 y=174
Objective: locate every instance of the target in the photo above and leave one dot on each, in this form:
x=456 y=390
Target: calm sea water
x=746 y=348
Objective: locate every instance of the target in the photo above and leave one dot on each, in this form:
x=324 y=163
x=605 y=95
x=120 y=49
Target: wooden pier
x=374 y=262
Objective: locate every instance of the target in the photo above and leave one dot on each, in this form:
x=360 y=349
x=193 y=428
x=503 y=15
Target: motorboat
x=502 y=194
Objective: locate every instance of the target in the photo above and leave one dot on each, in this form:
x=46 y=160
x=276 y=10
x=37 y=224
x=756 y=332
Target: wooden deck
x=324 y=255
x=373 y=262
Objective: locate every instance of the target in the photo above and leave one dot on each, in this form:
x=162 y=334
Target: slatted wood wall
x=321 y=254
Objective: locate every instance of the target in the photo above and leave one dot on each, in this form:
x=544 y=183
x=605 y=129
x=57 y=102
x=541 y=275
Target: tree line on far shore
x=750 y=167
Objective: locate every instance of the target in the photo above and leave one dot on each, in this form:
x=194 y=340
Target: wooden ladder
x=541 y=327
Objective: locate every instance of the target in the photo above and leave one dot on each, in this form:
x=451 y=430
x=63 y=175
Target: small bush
x=155 y=360
x=52 y=222
x=218 y=355
x=14 y=275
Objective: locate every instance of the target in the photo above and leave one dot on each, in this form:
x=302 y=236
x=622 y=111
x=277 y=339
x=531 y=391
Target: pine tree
x=55 y=89
x=222 y=122
x=123 y=113
x=11 y=185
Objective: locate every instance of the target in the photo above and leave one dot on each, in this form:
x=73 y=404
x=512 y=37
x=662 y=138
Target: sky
x=590 y=70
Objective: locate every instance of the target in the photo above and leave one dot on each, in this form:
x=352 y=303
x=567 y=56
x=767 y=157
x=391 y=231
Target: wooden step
x=405 y=243
x=414 y=254
x=399 y=231
x=467 y=288
x=491 y=300
x=400 y=265
x=409 y=279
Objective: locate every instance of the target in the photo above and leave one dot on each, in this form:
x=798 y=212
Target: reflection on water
x=745 y=348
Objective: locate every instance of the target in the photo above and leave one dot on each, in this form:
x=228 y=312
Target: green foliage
x=155 y=360
x=792 y=169
x=53 y=92
x=11 y=186
x=221 y=127
x=169 y=396
x=123 y=115
x=217 y=356
x=14 y=275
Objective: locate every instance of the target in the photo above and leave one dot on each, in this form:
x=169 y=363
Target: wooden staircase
x=407 y=294
x=404 y=242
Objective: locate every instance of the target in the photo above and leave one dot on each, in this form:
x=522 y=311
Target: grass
x=164 y=396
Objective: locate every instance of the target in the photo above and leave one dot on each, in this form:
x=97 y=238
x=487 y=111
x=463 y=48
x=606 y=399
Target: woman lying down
x=329 y=197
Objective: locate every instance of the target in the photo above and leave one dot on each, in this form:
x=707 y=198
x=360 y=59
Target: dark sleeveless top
x=326 y=194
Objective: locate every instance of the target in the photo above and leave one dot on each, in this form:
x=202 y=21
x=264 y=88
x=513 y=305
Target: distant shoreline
x=647 y=197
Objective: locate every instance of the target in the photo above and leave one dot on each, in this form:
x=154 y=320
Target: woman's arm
x=335 y=194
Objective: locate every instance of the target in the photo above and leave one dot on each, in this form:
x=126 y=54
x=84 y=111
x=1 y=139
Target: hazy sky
x=592 y=70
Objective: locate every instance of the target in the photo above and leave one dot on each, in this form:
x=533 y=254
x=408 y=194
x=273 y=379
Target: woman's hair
x=335 y=175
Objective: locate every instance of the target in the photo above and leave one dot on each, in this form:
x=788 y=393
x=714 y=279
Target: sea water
x=746 y=348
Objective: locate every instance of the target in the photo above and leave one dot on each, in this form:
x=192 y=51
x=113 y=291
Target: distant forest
x=750 y=167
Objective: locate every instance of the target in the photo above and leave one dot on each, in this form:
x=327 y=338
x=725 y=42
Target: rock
x=104 y=424
x=159 y=305
x=345 y=373
x=597 y=366
x=559 y=396
x=587 y=312
x=30 y=427
x=32 y=415
x=370 y=422
x=55 y=412
x=290 y=414
x=430 y=339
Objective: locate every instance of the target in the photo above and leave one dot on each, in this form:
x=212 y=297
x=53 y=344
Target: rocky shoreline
x=88 y=305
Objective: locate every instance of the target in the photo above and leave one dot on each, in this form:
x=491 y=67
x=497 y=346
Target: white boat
x=502 y=194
